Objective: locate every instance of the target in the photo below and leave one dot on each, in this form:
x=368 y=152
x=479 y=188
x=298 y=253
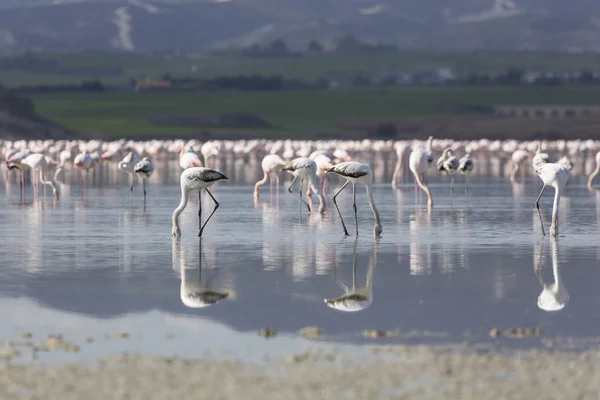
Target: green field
x=293 y=113
x=340 y=66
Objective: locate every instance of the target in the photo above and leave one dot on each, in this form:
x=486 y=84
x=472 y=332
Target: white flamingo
x=356 y=173
x=144 y=169
x=449 y=164
x=517 y=158
x=595 y=172
x=271 y=165
x=418 y=161
x=401 y=150
x=188 y=158
x=465 y=167
x=196 y=178
x=554 y=175
x=127 y=164
x=83 y=161
x=305 y=169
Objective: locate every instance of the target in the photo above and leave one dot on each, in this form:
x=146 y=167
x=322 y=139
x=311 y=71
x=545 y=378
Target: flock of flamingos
x=308 y=161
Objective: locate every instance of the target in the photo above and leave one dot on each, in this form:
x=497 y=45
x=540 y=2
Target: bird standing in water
x=305 y=168
x=554 y=175
x=465 y=167
x=356 y=173
x=196 y=178
x=144 y=169
x=449 y=164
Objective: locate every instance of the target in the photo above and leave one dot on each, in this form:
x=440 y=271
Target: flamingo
x=196 y=178
x=539 y=157
x=305 y=168
x=16 y=161
x=188 y=158
x=356 y=173
x=518 y=157
x=127 y=164
x=401 y=150
x=271 y=164
x=595 y=172
x=417 y=162
x=565 y=162
x=324 y=162
x=465 y=167
x=83 y=161
x=144 y=169
x=554 y=297
x=554 y=175
x=449 y=164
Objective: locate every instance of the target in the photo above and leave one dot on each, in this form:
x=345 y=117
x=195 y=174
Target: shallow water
x=99 y=262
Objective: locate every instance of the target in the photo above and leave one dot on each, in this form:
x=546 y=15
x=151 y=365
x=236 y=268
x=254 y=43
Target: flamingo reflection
x=554 y=296
x=194 y=293
x=356 y=299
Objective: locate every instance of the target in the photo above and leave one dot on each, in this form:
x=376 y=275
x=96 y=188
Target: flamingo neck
x=261 y=182
x=372 y=204
x=555 y=207
x=593 y=175
x=180 y=207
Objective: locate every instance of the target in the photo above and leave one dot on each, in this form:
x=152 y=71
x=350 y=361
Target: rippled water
x=99 y=261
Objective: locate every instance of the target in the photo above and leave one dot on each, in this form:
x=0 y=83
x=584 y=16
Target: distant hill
x=151 y=25
x=19 y=120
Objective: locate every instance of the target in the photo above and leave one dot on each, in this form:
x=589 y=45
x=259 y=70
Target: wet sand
x=386 y=372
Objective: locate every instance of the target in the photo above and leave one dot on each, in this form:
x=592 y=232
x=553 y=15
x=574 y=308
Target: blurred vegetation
x=120 y=68
x=292 y=113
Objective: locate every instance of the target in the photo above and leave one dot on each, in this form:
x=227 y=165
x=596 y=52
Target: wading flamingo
x=356 y=173
x=196 y=178
x=271 y=165
x=144 y=169
x=188 y=158
x=305 y=169
x=518 y=157
x=418 y=161
x=554 y=175
x=465 y=167
x=449 y=164
x=595 y=172
x=127 y=164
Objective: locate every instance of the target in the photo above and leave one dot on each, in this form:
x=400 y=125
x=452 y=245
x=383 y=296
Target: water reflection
x=356 y=299
x=554 y=296
x=194 y=293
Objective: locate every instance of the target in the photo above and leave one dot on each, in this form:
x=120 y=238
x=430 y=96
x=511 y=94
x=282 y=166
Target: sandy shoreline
x=397 y=372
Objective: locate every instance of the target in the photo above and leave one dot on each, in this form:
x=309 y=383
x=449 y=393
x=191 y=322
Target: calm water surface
x=103 y=262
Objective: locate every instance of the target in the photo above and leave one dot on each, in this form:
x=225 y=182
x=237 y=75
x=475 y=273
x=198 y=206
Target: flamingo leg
x=200 y=212
x=292 y=184
x=144 y=185
x=300 y=193
x=131 y=188
x=514 y=172
x=354 y=205
x=537 y=205
x=211 y=214
x=338 y=209
x=452 y=184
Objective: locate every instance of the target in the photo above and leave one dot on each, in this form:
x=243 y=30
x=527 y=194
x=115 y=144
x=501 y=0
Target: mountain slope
x=140 y=25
